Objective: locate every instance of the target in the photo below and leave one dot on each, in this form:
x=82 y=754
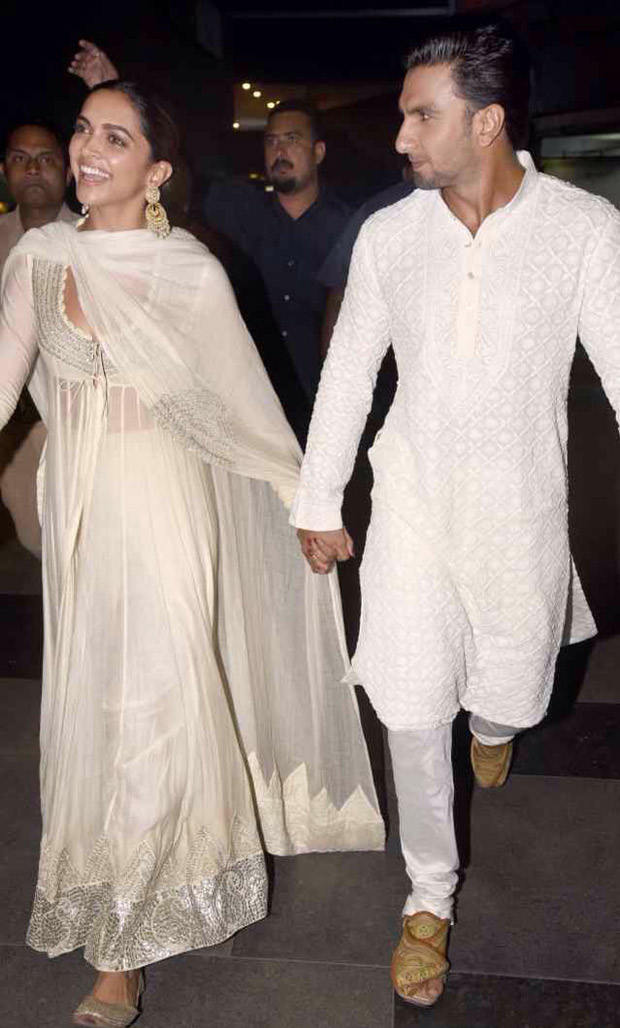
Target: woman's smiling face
x=110 y=156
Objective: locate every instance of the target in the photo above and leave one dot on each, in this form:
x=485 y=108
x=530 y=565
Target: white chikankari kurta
x=468 y=588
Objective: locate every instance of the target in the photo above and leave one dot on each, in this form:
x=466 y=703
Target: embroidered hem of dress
x=121 y=934
x=292 y=821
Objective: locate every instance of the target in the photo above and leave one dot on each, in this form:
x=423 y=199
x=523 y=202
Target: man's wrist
x=312 y=521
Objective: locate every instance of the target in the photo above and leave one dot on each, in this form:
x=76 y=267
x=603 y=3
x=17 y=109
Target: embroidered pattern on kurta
x=467 y=574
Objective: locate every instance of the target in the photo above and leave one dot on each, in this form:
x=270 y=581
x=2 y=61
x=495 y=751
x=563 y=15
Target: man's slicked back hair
x=306 y=108
x=489 y=64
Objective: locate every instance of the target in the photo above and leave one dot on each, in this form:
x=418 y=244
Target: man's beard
x=282 y=185
x=420 y=182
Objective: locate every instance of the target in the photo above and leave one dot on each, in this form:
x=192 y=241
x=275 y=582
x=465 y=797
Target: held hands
x=323 y=549
x=91 y=65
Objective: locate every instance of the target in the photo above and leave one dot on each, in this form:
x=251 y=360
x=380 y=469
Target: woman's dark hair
x=157 y=124
x=489 y=65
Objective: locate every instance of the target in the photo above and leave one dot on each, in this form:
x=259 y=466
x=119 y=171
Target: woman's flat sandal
x=94 y=1012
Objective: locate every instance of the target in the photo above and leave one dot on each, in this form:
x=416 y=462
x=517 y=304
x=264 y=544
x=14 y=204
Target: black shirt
x=288 y=252
x=335 y=270
x=334 y=273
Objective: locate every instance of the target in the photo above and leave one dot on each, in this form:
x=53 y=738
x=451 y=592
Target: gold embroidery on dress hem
x=148 y=913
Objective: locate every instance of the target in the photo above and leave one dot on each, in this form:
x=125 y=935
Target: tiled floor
x=536 y=943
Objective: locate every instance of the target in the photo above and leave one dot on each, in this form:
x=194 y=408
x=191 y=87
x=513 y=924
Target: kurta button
x=470 y=274
x=286 y=296
x=284 y=334
x=291 y=263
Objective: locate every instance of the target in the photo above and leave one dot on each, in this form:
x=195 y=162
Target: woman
x=190 y=712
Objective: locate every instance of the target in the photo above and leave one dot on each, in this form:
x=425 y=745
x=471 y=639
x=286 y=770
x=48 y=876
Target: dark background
x=194 y=53
x=575 y=44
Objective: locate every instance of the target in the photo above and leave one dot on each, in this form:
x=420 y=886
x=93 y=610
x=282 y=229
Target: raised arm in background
x=92 y=65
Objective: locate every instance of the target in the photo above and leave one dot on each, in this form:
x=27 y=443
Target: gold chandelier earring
x=156 y=217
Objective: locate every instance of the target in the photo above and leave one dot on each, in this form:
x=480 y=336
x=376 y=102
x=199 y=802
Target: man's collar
x=64 y=214
x=530 y=178
x=526 y=187
x=317 y=202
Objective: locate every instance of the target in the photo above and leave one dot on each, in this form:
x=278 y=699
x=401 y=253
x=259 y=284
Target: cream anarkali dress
x=192 y=706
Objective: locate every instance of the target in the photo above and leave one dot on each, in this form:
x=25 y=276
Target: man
x=37 y=173
x=36 y=170
x=481 y=280
x=287 y=234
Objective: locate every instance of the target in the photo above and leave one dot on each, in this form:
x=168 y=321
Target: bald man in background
x=36 y=170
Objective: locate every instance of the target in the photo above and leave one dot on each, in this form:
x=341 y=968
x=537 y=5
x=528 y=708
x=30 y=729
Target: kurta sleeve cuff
x=319 y=515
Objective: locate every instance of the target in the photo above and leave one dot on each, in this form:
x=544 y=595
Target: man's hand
x=91 y=65
x=323 y=549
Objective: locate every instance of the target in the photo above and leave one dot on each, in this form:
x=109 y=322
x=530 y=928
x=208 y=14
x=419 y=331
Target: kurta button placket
x=469 y=299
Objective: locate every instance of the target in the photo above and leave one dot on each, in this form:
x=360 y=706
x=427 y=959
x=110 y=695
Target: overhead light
x=254 y=175
x=257 y=93
x=271 y=105
x=246 y=85
x=269 y=189
x=236 y=124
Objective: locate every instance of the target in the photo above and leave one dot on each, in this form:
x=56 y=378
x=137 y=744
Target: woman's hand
x=323 y=549
x=92 y=65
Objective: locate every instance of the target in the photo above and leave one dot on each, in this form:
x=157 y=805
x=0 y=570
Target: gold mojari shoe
x=94 y=1012
x=420 y=956
x=490 y=763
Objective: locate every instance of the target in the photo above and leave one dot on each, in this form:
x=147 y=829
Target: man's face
x=436 y=133
x=291 y=155
x=34 y=168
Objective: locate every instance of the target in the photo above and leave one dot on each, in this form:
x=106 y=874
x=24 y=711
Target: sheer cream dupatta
x=166 y=318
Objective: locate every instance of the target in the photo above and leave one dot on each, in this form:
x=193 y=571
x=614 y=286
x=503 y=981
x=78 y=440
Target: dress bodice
x=59 y=339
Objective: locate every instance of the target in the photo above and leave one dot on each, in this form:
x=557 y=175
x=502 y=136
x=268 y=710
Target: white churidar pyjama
x=489 y=733
x=422 y=767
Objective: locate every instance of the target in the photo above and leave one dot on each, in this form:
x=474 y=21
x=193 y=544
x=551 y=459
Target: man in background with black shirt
x=287 y=234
